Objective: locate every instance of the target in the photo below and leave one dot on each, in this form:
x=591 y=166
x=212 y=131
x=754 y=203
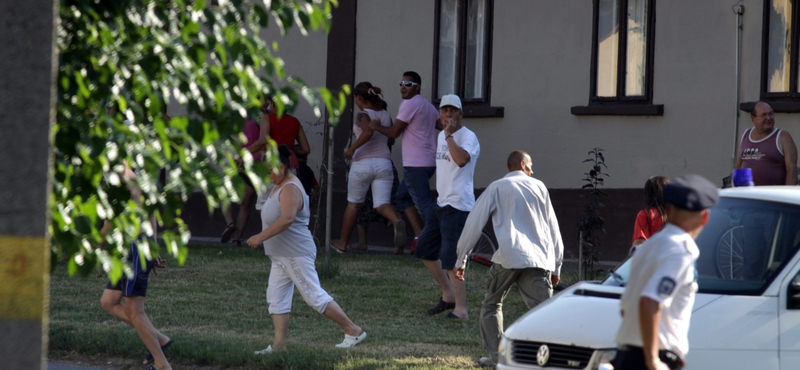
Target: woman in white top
x=372 y=166
x=289 y=244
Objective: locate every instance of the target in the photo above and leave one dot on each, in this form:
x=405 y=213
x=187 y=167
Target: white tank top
x=296 y=241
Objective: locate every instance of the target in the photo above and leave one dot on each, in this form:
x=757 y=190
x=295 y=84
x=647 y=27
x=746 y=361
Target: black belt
x=632 y=357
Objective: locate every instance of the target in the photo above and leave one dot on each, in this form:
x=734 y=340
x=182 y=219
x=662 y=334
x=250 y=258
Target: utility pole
x=27 y=111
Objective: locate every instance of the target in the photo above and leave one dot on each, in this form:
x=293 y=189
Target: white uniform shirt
x=453 y=183
x=662 y=269
x=524 y=222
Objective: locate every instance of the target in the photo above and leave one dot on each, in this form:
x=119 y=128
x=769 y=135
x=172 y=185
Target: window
x=462 y=54
x=622 y=59
x=780 y=85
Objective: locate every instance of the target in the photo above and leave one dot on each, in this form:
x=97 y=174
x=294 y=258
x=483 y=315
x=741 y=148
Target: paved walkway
x=55 y=366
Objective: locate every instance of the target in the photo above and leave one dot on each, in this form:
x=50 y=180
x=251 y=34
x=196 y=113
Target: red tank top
x=283 y=131
x=764 y=158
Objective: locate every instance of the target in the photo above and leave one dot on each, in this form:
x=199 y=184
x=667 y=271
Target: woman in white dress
x=289 y=244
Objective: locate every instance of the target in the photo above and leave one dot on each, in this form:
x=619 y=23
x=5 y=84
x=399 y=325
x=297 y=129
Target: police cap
x=692 y=192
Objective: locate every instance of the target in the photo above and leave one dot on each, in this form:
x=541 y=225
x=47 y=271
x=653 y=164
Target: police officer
x=657 y=302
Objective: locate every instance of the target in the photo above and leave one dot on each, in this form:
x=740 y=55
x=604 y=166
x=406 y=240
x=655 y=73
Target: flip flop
x=451 y=315
x=337 y=250
x=148 y=357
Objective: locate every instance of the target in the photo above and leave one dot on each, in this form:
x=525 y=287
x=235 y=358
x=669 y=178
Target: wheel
x=484 y=250
x=729 y=254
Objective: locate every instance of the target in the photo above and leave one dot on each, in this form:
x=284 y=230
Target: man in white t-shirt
x=457 y=151
x=656 y=305
x=417 y=121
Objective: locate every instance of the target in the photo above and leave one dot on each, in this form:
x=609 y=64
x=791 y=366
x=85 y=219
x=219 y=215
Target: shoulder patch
x=666 y=287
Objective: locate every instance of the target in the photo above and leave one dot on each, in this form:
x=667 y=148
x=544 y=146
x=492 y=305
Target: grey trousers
x=534 y=285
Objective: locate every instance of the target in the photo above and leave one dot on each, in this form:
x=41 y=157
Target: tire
x=484 y=249
x=728 y=256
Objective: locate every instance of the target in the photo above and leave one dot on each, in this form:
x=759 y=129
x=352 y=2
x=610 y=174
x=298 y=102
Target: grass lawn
x=215 y=308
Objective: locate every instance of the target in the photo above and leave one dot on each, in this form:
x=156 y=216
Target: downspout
x=738 y=9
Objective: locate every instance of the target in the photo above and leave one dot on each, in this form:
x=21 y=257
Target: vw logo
x=543 y=355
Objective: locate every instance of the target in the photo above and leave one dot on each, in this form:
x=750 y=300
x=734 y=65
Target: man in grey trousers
x=530 y=250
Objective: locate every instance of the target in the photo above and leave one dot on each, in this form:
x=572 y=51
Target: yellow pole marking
x=24 y=278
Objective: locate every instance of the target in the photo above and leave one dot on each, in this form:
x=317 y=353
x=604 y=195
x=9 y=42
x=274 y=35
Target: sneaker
x=486 y=362
x=350 y=341
x=265 y=351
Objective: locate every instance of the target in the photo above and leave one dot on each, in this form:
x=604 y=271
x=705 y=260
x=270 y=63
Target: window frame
x=621 y=104
x=794 y=86
x=480 y=107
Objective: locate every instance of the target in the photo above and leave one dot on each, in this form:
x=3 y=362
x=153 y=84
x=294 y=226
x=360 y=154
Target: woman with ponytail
x=651 y=219
x=289 y=244
x=372 y=166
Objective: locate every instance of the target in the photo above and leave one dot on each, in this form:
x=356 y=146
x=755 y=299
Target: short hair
x=753 y=111
x=514 y=158
x=414 y=76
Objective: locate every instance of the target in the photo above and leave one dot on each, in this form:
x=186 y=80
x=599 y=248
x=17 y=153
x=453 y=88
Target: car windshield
x=744 y=245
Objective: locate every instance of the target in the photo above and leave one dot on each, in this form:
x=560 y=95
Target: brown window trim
x=778 y=106
x=473 y=108
x=622 y=105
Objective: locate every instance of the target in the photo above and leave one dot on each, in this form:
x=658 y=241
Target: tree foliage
x=139 y=55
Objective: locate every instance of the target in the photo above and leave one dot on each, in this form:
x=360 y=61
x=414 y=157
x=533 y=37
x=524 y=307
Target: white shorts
x=286 y=272
x=376 y=172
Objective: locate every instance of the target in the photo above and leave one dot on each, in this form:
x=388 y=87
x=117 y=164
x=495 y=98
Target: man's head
x=520 y=161
x=450 y=111
x=688 y=200
x=410 y=85
x=763 y=118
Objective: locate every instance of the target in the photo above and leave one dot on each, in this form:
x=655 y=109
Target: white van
x=746 y=313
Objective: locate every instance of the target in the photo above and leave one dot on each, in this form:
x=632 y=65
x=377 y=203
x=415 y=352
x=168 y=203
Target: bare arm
x=366 y=134
x=739 y=155
x=393 y=131
x=460 y=156
x=790 y=157
x=649 y=318
x=303 y=141
x=262 y=135
x=290 y=200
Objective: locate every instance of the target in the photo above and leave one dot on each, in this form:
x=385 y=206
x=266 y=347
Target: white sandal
x=350 y=341
x=267 y=351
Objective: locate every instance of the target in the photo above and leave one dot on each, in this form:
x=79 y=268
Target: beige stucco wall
x=305 y=57
x=541 y=68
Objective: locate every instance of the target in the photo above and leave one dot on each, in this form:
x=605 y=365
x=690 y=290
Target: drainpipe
x=738 y=9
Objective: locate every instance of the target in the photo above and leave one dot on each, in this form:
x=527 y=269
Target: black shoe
x=441 y=307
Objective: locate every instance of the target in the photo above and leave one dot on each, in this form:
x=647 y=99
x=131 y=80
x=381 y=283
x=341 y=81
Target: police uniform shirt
x=662 y=269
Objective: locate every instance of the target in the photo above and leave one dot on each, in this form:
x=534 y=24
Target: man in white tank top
x=769 y=152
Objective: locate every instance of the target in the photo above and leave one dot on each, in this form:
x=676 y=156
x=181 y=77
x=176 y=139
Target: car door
x=789 y=320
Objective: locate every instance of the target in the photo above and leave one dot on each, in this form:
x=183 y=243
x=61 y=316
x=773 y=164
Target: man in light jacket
x=530 y=250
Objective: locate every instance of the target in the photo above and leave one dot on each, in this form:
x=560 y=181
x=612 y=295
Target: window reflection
x=780 y=45
x=637 y=48
x=448 y=47
x=607 y=47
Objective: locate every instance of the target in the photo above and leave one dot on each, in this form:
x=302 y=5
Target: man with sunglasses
x=417 y=120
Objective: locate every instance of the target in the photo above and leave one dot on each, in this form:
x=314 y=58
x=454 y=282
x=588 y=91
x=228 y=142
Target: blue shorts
x=439 y=237
x=415 y=190
x=137 y=285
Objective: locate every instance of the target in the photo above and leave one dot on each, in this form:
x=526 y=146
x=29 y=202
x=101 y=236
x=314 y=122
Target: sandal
x=350 y=341
x=148 y=357
x=228 y=232
x=441 y=307
x=236 y=242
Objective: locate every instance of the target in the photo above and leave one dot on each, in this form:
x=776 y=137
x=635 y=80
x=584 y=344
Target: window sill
x=619 y=110
x=483 y=111
x=777 y=106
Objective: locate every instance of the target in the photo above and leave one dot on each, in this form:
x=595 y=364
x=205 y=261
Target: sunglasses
x=408 y=83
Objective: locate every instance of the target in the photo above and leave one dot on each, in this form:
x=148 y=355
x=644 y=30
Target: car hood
x=585 y=315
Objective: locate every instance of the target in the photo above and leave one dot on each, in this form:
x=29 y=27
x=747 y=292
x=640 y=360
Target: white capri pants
x=288 y=272
x=370 y=171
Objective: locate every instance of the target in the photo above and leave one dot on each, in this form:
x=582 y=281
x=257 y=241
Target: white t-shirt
x=454 y=183
x=377 y=146
x=662 y=269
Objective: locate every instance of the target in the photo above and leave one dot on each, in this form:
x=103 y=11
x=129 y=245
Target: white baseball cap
x=451 y=100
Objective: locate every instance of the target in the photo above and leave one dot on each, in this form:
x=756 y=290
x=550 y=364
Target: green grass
x=215 y=308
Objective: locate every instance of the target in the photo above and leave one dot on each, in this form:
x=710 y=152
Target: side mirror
x=793 y=296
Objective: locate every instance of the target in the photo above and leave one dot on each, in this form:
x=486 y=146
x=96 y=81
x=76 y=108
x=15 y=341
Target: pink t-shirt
x=419 y=138
x=252 y=130
x=377 y=146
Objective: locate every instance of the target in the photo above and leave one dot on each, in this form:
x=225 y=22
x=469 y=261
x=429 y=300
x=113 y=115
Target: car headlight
x=604 y=358
x=503 y=350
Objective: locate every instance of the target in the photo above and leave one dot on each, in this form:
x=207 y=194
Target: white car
x=746 y=313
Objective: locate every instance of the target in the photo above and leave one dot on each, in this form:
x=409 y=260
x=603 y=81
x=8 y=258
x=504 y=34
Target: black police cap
x=692 y=192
